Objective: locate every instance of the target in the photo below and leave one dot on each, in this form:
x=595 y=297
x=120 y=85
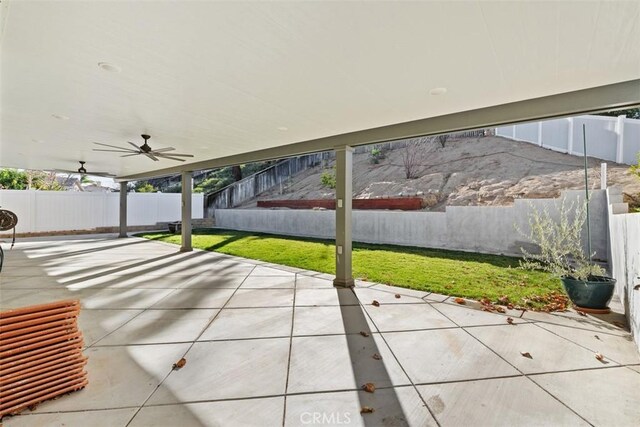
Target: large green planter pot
x=593 y=293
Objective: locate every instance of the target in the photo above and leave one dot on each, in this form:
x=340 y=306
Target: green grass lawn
x=462 y=274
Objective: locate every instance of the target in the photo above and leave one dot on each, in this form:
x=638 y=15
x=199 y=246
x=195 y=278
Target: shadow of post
x=367 y=368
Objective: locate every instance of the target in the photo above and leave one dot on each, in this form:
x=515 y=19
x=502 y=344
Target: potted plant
x=560 y=252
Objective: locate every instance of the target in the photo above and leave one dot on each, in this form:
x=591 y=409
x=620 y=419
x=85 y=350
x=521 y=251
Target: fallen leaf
x=460 y=301
x=526 y=354
x=375 y=303
x=369 y=387
x=500 y=309
x=377 y=356
x=364 y=333
x=397 y=295
x=367 y=410
x=636 y=287
x=600 y=357
x=581 y=313
x=179 y=364
x=597 y=337
x=504 y=300
x=510 y=320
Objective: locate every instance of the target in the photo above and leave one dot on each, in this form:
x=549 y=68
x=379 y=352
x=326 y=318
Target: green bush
x=328 y=179
x=12 y=179
x=145 y=188
x=376 y=155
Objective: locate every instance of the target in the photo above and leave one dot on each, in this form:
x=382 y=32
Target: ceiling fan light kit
x=145 y=150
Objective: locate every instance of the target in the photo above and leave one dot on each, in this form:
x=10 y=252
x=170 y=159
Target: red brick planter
x=399 y=203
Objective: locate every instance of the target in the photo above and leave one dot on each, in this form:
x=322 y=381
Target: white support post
x=513 y=132
x=187 y=184
x=123 y=209
x=570 y=136
x=620 y=139
x=603 y=176
x=344 y=194
x=540 y=134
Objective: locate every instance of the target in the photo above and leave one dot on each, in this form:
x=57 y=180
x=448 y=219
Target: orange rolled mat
x=40 y=354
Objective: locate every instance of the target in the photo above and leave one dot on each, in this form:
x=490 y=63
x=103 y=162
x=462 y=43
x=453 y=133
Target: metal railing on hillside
x=251 y=186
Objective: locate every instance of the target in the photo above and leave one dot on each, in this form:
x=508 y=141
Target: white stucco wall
x=624 y=240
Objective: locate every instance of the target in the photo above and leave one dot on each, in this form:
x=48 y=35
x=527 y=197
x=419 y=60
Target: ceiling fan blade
x=129 y=155
x=102 y=174
x=64 y=171
x=112 y=146
x=175 y=154
x=162 y=150
x=165 y=156
x=137 y=148
x=116 y=151
x=151 y=156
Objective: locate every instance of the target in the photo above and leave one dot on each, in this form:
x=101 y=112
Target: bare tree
x=412 y=156
x=442 y=139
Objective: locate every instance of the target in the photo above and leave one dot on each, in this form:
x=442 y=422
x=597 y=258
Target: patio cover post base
x=339 y=283
x=344 y=167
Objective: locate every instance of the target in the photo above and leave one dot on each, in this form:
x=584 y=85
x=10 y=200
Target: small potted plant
x=560 y=252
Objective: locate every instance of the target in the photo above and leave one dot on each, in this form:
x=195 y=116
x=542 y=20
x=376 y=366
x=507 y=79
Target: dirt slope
x=471 y=171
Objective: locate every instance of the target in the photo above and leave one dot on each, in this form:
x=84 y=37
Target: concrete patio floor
x=268 y=345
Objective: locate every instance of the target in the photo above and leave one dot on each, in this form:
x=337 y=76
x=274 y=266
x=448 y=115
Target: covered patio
x=272 y=345
x=231 y=83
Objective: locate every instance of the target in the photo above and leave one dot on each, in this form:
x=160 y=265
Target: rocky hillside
x=470 y=171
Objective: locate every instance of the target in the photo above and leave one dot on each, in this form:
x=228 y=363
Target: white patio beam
x=123 y=209
x=187 y=184
x=601 y=98
x=344 y=194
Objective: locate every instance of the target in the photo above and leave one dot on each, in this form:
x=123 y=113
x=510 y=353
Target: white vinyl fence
x=40 y=211
x=616 y=139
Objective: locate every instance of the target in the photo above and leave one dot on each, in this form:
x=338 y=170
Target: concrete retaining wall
x=486 y=229
x=624 y=240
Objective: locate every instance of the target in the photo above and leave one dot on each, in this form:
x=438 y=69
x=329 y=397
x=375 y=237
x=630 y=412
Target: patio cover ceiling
x=232 y=82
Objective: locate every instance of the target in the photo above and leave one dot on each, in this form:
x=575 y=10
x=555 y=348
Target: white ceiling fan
x=145 y=149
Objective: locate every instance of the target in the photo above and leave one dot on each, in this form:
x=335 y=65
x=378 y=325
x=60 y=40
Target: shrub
x=376 y=155
x=328 y=179
x=559 y=243
x=146 y=188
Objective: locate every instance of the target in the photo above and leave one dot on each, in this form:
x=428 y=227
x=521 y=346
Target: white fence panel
x=527 y=132
x=555 y=135
x=631 y=145
x=616 y=139
x=40 y=211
